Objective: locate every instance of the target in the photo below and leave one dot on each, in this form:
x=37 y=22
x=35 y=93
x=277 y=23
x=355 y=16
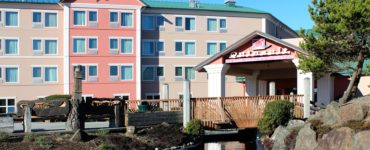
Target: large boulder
x=278 y=137
x=295 y=124
x=361 y=141
x=306 y=139
x=352 y=112
x=330 y=116
x=337 y=139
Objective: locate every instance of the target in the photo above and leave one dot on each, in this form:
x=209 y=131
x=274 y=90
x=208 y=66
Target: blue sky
x=293 y=13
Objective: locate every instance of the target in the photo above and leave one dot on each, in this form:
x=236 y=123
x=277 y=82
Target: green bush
x=103 y=132
x=44 y=142
x=4 y=136
x=276 y=113
x=105 y=146
x=29 y=137
x=194 y=128
x=54 y=97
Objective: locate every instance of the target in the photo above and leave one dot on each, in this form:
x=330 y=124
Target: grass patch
x=44 y=142
x=103 y=132
x=29 y=137
x=106 y=146
x=4 y=136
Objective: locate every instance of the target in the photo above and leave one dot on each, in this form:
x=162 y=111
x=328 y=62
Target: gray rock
x=278 y=137
x=329 y=116
x=6 y=124
x=361 y=141
x=295 y=124
x=306 y=139
x=352 y=111
x=337 y=139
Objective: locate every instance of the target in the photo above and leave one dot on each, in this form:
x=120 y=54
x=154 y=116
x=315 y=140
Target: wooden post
x=165 y=94
x=74 y=118
x=27 y=119
x=306 y=98
x=291 y=97
x=117 y=115
x=222 y=110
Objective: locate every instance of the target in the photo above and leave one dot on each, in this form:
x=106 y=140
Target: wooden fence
x=153 y=105
x=243 y=111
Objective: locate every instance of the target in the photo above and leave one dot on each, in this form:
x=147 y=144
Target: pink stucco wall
x=104 y=87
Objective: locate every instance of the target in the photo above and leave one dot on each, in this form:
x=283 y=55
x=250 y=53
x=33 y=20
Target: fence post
x=306 y=98
x=272 y=89
x=186 y=102
x=291 y=97
x=27 y=119
x=222 y=110
x=117 y=115
x=165 y=94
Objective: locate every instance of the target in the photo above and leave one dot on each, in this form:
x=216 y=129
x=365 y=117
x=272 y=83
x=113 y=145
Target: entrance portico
x=268 y=65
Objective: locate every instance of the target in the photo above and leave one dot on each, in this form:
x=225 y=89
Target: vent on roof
x=230 y=3
x=194 y=3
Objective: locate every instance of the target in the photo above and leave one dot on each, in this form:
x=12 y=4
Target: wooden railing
x=243 y=111
x=153 y=105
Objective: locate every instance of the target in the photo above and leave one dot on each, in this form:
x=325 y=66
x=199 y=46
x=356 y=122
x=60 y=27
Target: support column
x=325 y=90
x=305 y=86
x=252 y=84
x=262 y=88
x=186 y=102
x=216 y=79
x=165 y=95
x=272 y=88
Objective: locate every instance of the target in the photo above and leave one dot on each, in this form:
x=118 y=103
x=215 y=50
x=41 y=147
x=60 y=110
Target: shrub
x=276 y=113
x=44 y=142
x=29 y=137
x=194 y=128
x=105 y=146
x=4 y=136
x=103 y=132
x=54 y=97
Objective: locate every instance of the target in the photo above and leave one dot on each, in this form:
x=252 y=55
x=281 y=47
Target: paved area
x=58 y=126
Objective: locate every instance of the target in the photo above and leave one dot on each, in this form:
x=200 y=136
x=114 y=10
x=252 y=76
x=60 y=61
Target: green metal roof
x=349 y=72
x=202 y=6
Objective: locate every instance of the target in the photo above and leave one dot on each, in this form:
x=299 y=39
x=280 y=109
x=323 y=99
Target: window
x=148 y=22
x=223 y=24
x=51 y=47
x=178 y=46
x=79 y=18
x=50 y=74
x=93 y=71
x=122 y=96
x=148 y=73
x=160 y=21
x=189 y=73
x=222 y=46
x=160 y=46
x=36 y=17
x=113 y=16
x=36 y=45
x=160 y=71
x=7 y=105
x=148 y=48
x=211 y=24
x=1 y=73
x=93 y=16
x=126 y=19
x=36 y=72
x=178 y=71
x=93 y=43
x=11 y=74
x=113 y=44
x=1 y=16
x=152 y=96
x=113 y=70
x=126 y=73
x=189 y=24
x=51 y=19
x=189 y=48
x=11 y=46
x=211 y=48
x=79 y=45
x=11 y=19
x=1 y=46
x=126 y=46
x=83 y=71
x=178 y=21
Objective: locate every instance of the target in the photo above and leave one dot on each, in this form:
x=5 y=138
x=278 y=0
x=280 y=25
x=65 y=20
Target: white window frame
x=155 y=72
x=195 y=47
x=4 y=18
x=118 y=70
x=86 y=17
x=39 y=66
x=120 y=18
x=126 y=65
x=43 y=42
x=218 y=43
x=152 y=94
x=88 y=42
x=118 y=14
x=44 y=15
x=88 y=70
x=122 y=94
x=120 y=43
x=42 y=45
x=86 y=46
x=6 y=103
x=18 y=73
x=155 y=22
x=183 y=72
x=217 y=24
x=195 y=23
x=11 y=38
x=57 y=76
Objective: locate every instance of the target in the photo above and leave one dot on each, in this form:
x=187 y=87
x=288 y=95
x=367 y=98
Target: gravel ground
x=56 y=126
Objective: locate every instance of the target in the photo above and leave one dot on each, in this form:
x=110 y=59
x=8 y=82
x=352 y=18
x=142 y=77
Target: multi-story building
x=176 y=36
x=104 y=38
x=31 y=51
